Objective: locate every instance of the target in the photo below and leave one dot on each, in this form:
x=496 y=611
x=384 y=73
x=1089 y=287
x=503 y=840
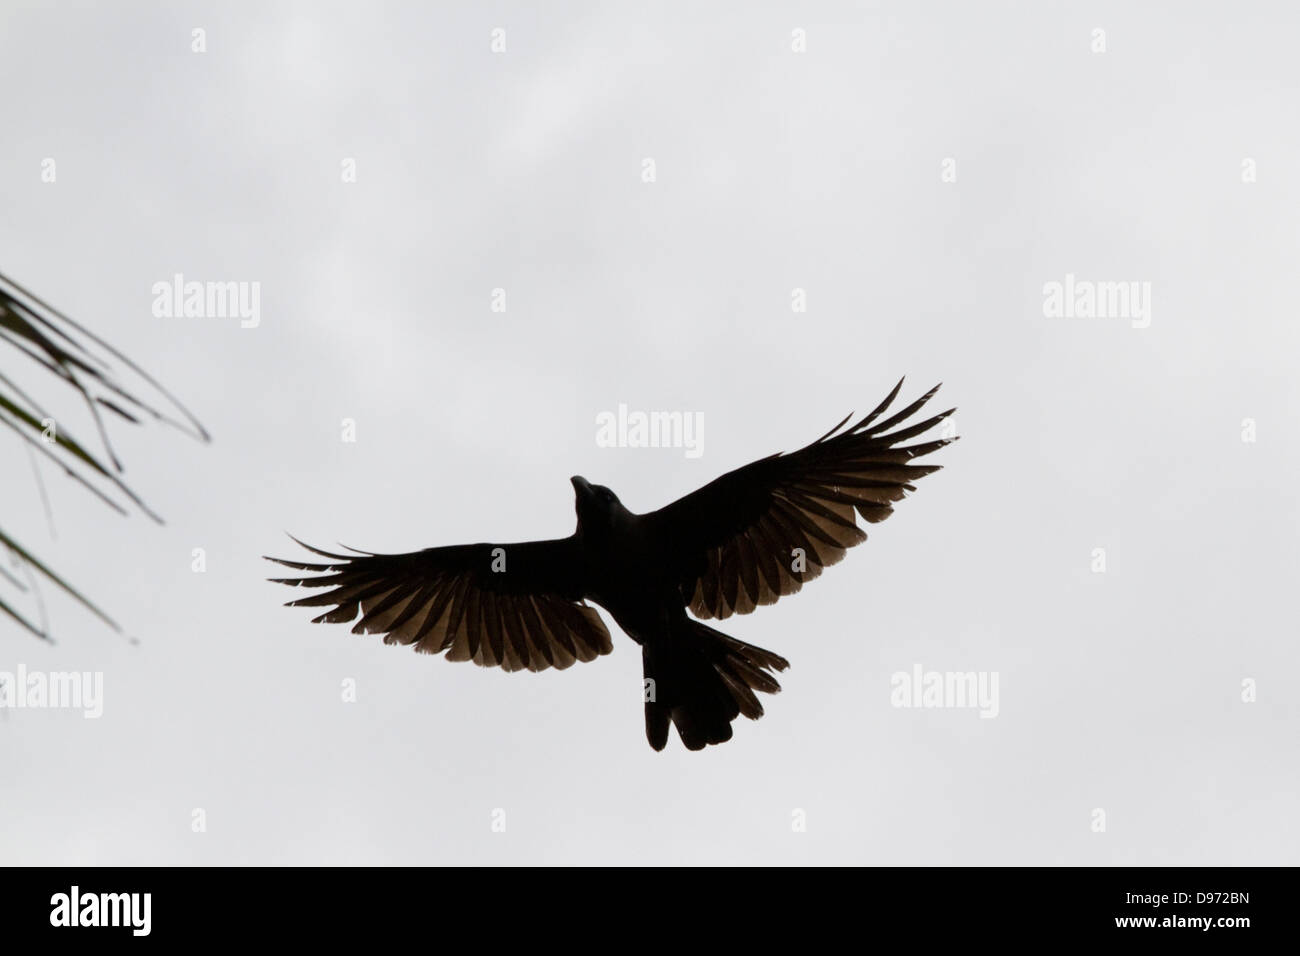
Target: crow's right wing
x=517 y=606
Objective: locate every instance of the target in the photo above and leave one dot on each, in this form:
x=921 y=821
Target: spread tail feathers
x=700 y=680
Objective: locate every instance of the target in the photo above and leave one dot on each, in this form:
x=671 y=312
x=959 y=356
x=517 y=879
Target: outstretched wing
x=517 y=606
x=736 y=538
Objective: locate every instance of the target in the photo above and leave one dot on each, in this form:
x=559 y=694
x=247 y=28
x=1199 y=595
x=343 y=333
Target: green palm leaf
x=110 y=386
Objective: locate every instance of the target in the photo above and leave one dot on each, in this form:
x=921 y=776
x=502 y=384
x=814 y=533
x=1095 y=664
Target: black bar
x=330 y=905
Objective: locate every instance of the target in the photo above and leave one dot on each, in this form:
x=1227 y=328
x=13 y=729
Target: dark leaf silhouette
x=110 y=387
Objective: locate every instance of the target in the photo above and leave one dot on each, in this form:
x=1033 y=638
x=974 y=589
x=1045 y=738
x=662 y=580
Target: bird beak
x=581 y=485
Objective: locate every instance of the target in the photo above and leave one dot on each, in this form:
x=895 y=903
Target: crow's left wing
x=757 y=533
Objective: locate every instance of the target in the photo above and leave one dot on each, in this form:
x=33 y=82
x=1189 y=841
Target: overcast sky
x=920 y=173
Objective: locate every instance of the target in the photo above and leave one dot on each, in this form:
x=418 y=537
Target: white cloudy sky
x=775 y=170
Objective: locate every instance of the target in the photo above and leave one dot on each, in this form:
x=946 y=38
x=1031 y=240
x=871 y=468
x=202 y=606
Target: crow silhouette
x=746 y=539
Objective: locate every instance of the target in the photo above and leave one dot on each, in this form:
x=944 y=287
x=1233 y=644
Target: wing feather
x=453 y=601
x=758 y=533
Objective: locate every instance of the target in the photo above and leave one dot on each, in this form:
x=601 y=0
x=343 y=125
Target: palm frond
x=76 y=364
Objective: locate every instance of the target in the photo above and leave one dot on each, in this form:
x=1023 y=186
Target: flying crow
x=749 y=538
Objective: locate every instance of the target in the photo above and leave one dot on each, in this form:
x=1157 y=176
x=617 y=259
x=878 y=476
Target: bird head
x=596 y=505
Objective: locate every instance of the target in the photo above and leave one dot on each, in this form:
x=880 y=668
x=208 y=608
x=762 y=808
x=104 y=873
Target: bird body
x=746 y=539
